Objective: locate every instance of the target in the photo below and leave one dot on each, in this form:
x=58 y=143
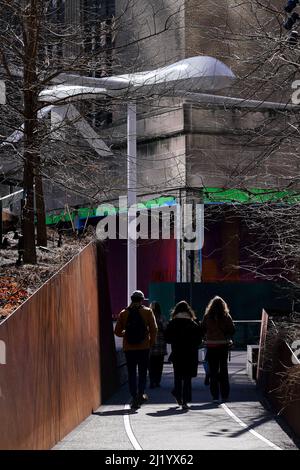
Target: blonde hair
x=217 y=308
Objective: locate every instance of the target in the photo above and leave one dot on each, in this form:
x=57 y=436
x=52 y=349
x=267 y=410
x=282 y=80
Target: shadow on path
x=168 y=412
x=114 y=412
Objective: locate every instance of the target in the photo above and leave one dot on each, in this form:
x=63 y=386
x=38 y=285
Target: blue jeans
x=205 y=362
x=137 y=367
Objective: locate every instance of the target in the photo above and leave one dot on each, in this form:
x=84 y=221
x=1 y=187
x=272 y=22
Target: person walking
x=159 y=349
x=217 y=328
x=137 y=325
x=184 y=335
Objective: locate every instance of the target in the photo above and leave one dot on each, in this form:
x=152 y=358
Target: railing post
x=262 y=343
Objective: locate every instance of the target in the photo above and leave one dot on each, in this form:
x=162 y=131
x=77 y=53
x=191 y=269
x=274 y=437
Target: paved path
x=243 y=423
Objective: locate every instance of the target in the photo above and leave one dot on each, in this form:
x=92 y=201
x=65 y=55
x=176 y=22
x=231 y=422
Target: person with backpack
x=217 y=328
x=137 y=325
x=159 y=349
x=184 y=335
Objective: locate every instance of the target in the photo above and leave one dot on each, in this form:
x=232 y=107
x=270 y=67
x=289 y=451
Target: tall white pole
x=131 y=200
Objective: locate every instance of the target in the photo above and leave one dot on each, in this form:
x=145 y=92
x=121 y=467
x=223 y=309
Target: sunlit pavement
x=243 y=424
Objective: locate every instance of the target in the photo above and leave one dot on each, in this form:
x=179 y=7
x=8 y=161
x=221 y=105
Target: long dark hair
x=183 y=307
x=217 y=308
x=155 y=306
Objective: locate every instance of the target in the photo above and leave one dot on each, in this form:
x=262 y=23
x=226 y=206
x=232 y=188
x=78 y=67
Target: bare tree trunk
x=30 y=37
x=40 y=209
x=28 y=211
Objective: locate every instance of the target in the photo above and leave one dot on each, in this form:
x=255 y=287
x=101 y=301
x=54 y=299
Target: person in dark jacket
x=159 y=349
x=184 y=335
x=218 y=328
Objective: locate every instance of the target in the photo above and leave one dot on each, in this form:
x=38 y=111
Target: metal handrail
x=246 y=321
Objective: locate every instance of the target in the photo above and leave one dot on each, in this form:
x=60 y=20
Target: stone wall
x=244 y=35
x=150 y=34
x=226 y=143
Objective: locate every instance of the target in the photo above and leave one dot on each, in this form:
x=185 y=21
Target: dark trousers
x=137 y=366
x=156 y=364
x=218 y=370
x=182 y=387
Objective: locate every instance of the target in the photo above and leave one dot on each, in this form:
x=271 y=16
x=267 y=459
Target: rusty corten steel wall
x=269 y=376
x=282 y=362
x=51 y=380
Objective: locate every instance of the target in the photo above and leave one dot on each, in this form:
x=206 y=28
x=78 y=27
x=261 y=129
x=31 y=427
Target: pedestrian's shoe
x=178 y=400
x=185 y=406
x=216 y=401
x=135 y=404
x=142 y=398
x=224 y=400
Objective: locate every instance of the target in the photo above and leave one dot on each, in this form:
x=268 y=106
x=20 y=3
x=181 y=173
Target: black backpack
x=136 y=330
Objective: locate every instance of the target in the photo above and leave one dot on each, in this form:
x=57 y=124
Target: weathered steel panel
x=51 y=379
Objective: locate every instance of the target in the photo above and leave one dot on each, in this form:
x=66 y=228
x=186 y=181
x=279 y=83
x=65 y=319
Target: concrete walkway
x=241 y=424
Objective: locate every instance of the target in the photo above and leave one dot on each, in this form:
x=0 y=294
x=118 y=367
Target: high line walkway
x=241 y=424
